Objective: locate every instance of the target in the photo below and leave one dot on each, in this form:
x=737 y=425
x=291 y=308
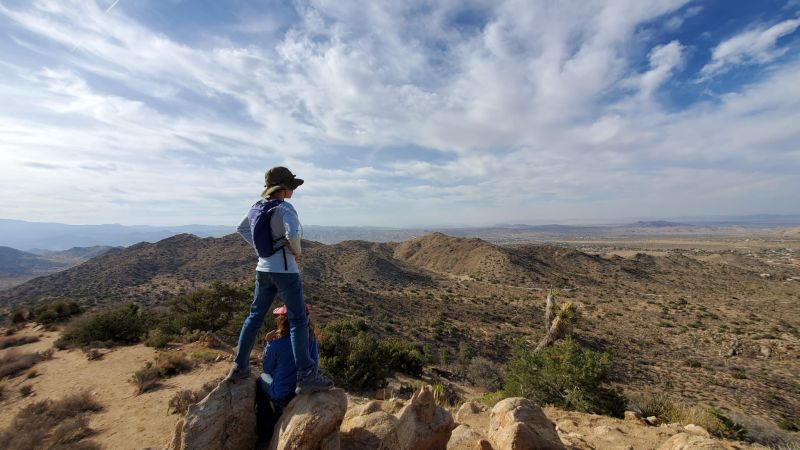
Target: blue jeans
x=290 y=288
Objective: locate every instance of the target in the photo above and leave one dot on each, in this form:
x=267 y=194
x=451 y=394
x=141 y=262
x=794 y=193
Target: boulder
x=697 y=429
x=465 y=438
x=519 y=424
x=418 y=424
x=421 y=425
x=686 y=441
x=223 y=420
x=365 y=426
x=468 y=411
x=633 y=416
x=311 y=422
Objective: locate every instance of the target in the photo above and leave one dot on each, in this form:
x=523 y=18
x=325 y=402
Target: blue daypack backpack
x=259 y=216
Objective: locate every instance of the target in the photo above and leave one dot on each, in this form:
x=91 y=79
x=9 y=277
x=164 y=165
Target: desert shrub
x=788 y=424
x=55 y=311
x=25 y=390
x=351 y=356
x=19 y=316
x=52 y=424
x=125 y=325
x=166 y=365
x=485 y=373
x=401 y=356
x=566 y=375
x=219 y=308
x=146 y=378
x=171 y=364
x=713 y=420
x=92 y=354
x=156 y=338
x=13 y=363
x=14 y=341
x=204 y=357
x=181 y=401
x=354 y=358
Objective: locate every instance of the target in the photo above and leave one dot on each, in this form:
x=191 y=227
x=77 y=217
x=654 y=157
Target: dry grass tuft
x=146 y=378
x=13 y=363
x=14 y=341
x=25 y=390
x=52 y=424
x=181 y=401
x=166 y=365
x=713 y=420
x=92 y=354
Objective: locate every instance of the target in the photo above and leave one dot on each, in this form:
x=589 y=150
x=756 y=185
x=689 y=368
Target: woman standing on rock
x=272 y=227
x=276 y=386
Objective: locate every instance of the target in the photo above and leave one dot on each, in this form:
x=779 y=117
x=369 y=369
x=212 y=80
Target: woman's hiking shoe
x=313 y=383
x=235 y=374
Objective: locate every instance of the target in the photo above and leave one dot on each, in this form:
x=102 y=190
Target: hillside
x=671 y=317
x=146 y=272
x=14 y=263
x=126 y=420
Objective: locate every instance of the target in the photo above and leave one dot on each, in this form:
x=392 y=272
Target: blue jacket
x=279 y=364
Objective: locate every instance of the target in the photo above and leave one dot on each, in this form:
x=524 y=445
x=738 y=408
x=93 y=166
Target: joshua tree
x=558 y=326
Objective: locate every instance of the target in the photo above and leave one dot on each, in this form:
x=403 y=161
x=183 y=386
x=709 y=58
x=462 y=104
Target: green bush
x=125 y=325
x=566 y=375
x=157 y=338
x=401 y=356
x=352 y=356
x=220 y=308
x=56 y=310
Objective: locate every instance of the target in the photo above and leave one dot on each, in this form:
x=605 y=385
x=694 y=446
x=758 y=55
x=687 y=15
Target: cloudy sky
x=399 y=113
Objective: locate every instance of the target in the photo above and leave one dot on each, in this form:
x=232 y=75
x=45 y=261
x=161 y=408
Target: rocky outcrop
x=687 y=441
x=520 y=424
x=367 y=425
x=222 y=420
x=465 y=438
x=311 y=422
x=420 y=424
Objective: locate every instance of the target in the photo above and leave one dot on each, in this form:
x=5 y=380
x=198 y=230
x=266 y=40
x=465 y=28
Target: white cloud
x=534 y=111
x=754 y=46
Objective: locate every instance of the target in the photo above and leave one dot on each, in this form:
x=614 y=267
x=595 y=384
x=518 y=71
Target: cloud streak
x=396 y=113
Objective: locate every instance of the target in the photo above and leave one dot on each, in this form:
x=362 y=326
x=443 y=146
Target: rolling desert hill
x=719 y=328
x=15 y=262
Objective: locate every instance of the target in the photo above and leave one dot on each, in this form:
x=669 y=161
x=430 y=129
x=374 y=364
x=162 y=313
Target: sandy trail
x=127 y=421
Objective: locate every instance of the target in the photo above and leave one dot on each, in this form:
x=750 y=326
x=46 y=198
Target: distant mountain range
x=17 y=266
x=41 y=236
x=36 y=237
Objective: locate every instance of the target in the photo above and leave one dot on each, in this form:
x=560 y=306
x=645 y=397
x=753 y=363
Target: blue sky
x=447 y=112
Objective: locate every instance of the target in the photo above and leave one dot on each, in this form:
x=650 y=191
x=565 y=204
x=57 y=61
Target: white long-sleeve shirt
x=284 y=224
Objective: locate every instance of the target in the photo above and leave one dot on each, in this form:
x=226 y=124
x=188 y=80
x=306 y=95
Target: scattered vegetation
x=14 y=363
x=713 y=420
x=56 y=310
x=355 y=359
x=181 y=401
x=125 y=325
x=789 y=424
x=52 y=424
x=25 y=390
x=166 y=365
x=485 y=373
x=566 y=375
x=14 y=341
x=220 y=309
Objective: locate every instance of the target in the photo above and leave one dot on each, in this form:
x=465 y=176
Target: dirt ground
x=127 y=421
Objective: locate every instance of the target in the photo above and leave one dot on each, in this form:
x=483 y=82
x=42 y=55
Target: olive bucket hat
x=279 y=178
